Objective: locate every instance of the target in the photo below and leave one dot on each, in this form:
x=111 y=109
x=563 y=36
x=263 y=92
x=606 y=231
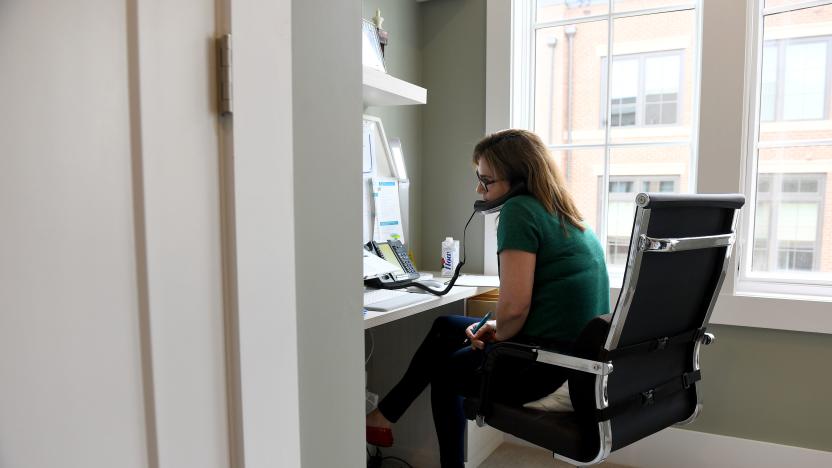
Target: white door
x=111 y=289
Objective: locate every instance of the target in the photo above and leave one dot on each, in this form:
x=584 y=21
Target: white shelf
x=381 y=89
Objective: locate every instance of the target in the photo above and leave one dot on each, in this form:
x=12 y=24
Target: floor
x=510 y=455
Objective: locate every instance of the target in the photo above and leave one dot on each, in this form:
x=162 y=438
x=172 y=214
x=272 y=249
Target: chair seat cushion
x=557 y=401
x=558 y=432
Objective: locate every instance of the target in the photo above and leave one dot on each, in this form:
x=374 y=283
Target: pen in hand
x=477 y=327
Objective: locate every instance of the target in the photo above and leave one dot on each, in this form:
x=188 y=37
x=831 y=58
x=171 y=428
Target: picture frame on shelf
x=371 y=55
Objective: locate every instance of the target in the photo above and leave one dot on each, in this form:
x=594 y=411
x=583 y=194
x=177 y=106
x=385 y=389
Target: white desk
x=398 y=341
x=457 y=293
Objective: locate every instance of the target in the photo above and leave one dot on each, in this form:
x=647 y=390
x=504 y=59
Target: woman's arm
x=516 y=282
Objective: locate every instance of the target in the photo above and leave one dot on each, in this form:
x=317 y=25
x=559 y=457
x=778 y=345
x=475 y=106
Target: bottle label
x=450 y=259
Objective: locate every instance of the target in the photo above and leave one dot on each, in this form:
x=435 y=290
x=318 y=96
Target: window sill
x=807 y=314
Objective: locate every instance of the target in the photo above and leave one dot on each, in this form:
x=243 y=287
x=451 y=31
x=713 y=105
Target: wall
x=403 y=60
x=767 y=385
x=437 y=138
x=326 y=126
x=112 y=351
x=70 y=348
x=453 y=64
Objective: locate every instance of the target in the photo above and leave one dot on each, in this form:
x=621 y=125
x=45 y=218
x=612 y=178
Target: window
x=788 y=222
x=789 y=227
x=794 y=83
x=618 y=128
x=621 y=209
x=645 y=90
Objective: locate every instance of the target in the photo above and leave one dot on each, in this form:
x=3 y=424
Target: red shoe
x=379 y=436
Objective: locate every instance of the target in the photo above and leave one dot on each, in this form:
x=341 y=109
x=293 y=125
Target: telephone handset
x=394 y=252
x=492 y=206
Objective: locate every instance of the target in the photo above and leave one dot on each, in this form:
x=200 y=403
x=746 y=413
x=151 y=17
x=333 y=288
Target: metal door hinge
x=225 y=99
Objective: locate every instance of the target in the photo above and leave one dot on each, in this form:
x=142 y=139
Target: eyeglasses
x=485 y=181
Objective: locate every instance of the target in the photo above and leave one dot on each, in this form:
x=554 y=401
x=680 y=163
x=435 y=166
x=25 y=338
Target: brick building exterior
x=651 y=98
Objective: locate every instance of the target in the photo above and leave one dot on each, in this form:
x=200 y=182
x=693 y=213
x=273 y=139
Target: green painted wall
x=438 y=45
x=768 y=385
x=453 y=64
x=403 y=60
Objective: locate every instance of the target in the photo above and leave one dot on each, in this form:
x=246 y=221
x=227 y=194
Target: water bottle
x=450 y=256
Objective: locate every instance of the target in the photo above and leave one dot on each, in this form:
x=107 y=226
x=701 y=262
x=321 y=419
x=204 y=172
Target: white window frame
x=522 y=36
x=759 y=284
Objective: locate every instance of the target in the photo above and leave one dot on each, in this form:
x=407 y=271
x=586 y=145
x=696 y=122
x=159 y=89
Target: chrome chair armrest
x=530 y=353
x=574 y=363
x=707 y=338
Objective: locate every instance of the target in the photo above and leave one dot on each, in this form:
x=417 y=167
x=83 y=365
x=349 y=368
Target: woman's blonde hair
x=520 y=156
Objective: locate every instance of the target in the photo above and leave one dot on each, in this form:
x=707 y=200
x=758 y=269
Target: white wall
x=152 y=311
x=69 y=345
x=111 y=313
x=264 y=246
x=326 y=73
x=172 y=63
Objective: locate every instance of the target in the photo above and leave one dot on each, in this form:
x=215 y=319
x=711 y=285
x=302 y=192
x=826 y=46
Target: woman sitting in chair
x=553 y=280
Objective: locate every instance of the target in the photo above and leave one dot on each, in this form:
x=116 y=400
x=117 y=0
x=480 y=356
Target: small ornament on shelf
x=382 y=34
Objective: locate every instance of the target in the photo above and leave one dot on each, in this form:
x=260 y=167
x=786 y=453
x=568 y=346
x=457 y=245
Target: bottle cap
x=449 y=239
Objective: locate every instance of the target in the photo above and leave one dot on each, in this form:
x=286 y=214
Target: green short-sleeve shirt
x=571 y=285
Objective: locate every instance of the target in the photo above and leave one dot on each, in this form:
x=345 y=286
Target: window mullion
x=641 y=101
x=819 y=221
x=781 y=78
x=605 y=183
x=774 y=219
x=522 y=78
x=754 y=84
x=826 y=85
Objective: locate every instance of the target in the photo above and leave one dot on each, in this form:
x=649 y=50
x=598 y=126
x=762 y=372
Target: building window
x=635 y=115
x=794 y=80
x=644 y=89
x=788 y=222
x=788 y=247
x=621 y=209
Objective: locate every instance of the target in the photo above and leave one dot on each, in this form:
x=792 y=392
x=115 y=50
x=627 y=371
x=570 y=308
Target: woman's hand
x=486 y=334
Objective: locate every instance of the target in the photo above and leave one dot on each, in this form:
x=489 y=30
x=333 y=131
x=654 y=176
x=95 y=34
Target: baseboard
x=681 y=448
x=482 y=441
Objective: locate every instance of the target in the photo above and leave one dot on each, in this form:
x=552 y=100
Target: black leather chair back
x=666 y=294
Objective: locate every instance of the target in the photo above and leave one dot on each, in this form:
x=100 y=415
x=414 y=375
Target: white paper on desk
x=388 y=212
x=375 y=265
x=478 y=280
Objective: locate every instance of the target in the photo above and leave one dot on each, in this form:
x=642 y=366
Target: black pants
x=451 y=368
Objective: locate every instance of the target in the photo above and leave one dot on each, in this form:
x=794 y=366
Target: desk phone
x=394 y=252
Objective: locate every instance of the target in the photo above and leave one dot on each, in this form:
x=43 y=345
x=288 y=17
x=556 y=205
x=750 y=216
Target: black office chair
x=679 y=252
